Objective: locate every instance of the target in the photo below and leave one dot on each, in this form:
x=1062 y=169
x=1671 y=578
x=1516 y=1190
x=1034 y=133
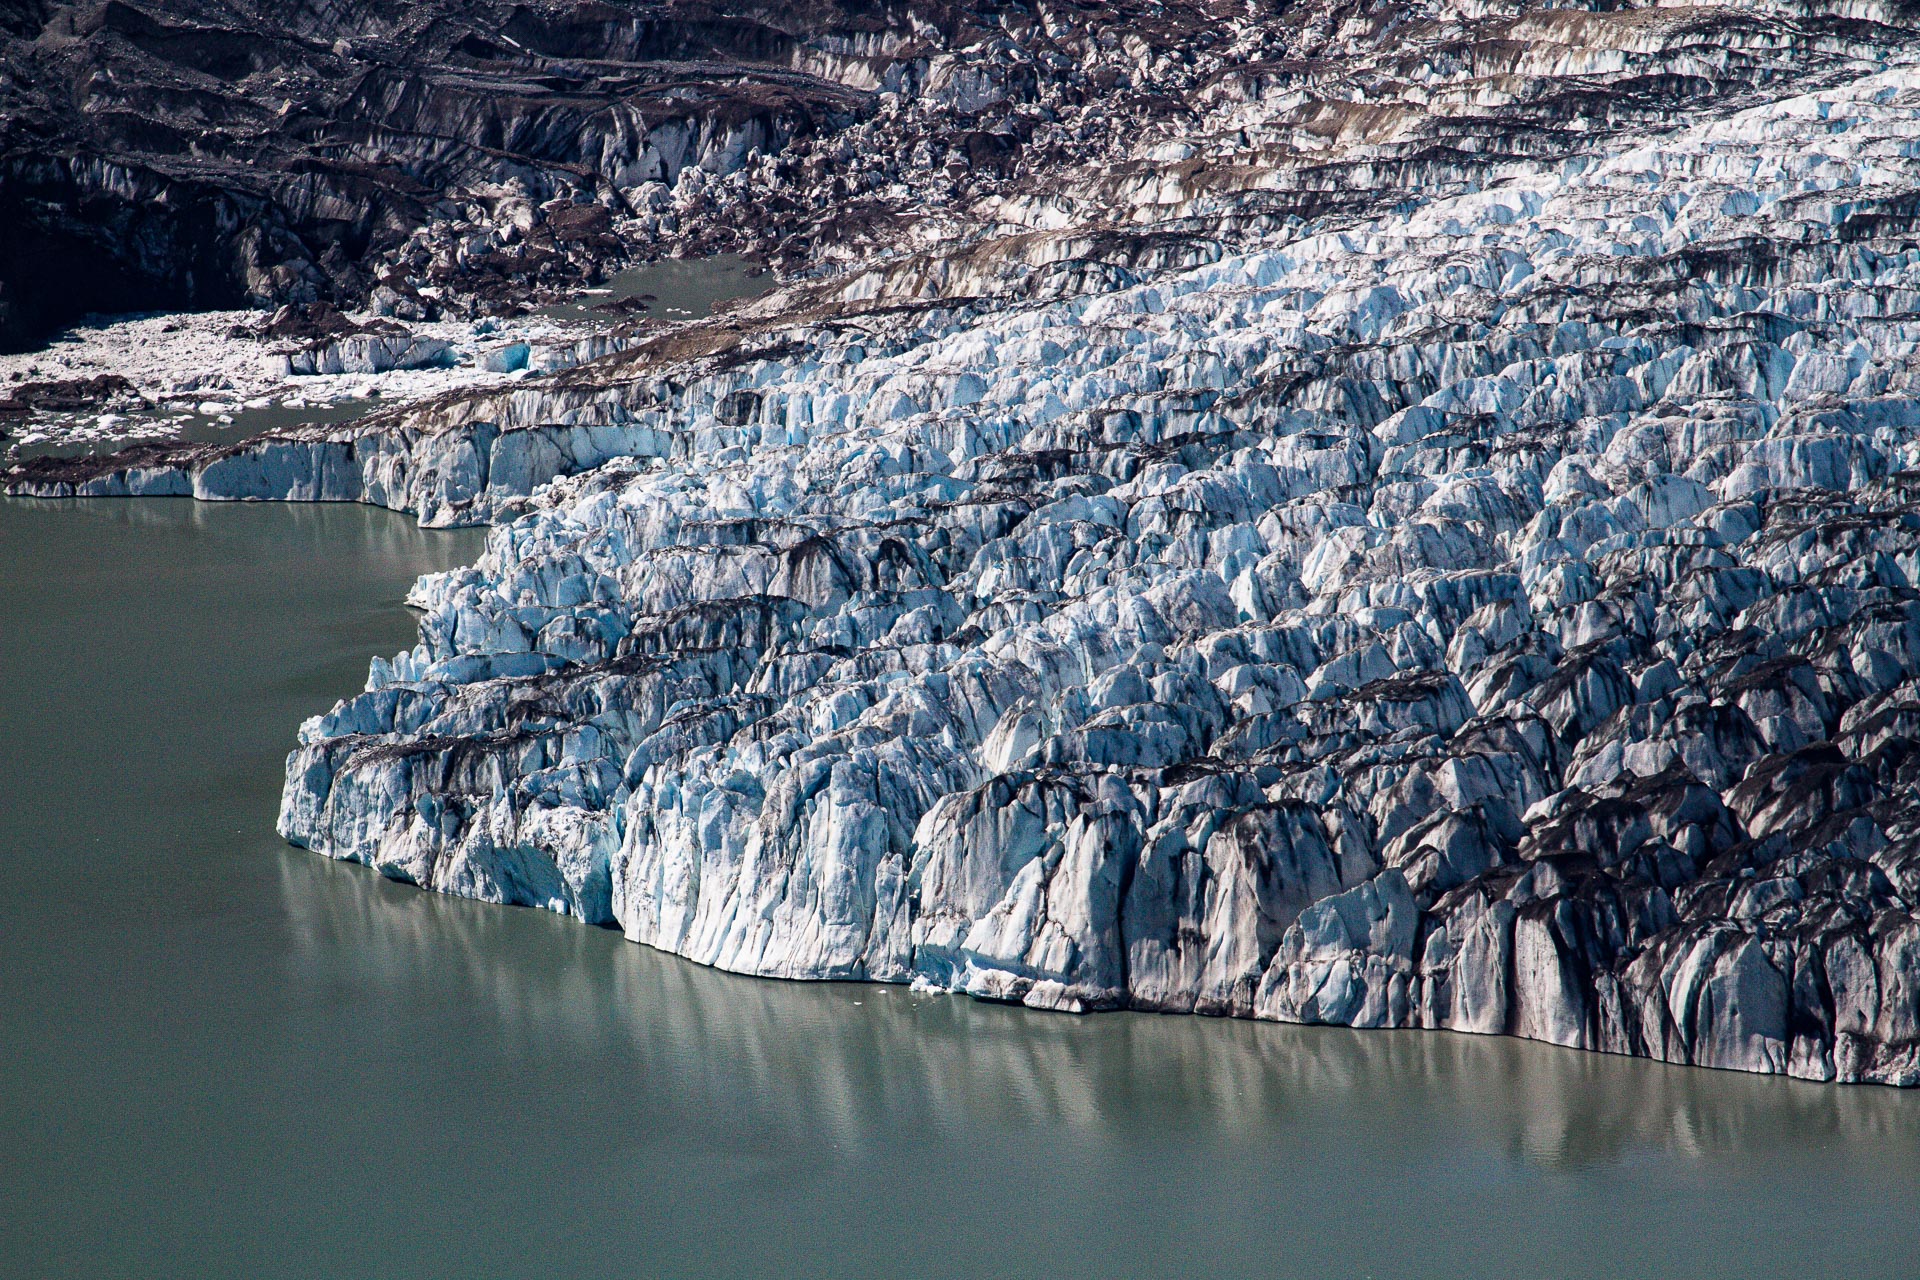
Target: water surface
x=221 y=1057
x=673 y=288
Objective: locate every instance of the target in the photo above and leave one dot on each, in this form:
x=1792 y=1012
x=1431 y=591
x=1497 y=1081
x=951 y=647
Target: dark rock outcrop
x=223 y=153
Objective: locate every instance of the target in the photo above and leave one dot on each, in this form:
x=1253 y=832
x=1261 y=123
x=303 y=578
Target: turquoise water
x=220 y=1056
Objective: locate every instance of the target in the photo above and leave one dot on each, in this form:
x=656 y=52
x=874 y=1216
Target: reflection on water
x=931 y=1061
x=223 y=1057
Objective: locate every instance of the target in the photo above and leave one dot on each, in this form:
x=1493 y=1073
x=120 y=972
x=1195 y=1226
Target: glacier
x=1498 y=612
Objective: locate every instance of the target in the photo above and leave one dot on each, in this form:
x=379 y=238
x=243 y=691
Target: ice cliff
x=1499 y=611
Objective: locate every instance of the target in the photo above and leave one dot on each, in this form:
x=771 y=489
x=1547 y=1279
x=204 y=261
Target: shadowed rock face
x=1353 y=573
x=215 y=154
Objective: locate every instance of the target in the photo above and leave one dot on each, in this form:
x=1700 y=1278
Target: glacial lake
x=672 y=288
x=223 y=1057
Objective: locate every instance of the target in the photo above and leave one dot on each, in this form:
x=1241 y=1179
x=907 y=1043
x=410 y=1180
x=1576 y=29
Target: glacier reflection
x=870 y=1062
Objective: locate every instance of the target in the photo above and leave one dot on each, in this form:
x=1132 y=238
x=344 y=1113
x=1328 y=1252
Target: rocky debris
x=1453 y=567
x=302 y=322
x=196 y=154
x=443 y=161
x=635 y=306
x=64 y=395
